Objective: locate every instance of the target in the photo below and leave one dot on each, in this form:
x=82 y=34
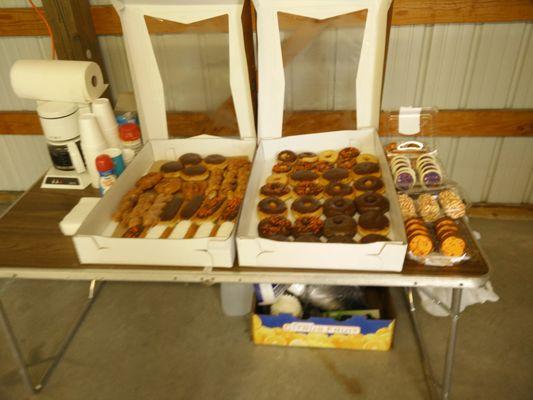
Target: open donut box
x=255 y=251
x=92 y=240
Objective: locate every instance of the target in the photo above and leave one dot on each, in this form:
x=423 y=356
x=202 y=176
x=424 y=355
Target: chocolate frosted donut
x=369 y=184
x=194 y=170
x=190 y=159
x=304 y=176
x=373 y=222
x=371 y=201
x=336 y=174
x=215 y=159
x=338 y=189
x=304 y=225
x=307 y=238
x=341 y=239
x=373 y=238
x=365 y=168
x=275 y=225
x=305 y=205
x=287 y=156
x=339 y=225
x=339 y=205
x=272 y=206
x=171 y=208
x=170 y=167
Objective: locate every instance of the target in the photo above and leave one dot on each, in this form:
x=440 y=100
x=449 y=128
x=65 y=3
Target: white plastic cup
x=128 y=155
x=236 y=298
x=92 y=145
x=106 y=120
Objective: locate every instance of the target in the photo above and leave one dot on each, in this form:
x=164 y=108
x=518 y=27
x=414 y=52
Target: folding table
x=32 y=247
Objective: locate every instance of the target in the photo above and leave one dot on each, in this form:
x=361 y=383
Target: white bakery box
x=255 y=251
x=92 y=240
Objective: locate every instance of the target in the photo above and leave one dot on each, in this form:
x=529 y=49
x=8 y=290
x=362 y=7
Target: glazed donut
x=149 y=180
x=171 y=169
x=373 y=222
x=278 y=178
x=366 y=168
x=340 y=225
x=309 y=188
x=339 y=205
x=190 y=159
x=275 y=225
x=194 y=173
x=168 y=185
x=287 y=156
x=339 y=189
x=304 y=225
x=371 y=201
x=369 y=183
x=349 y=153
x=276 y=189
x=308 y=156
x=329 y=156
x=306 y=206
x=336 y=175
x=271 y=206
x=282 y=168
x=210 y=206
x=365 y=157
x=303 y=176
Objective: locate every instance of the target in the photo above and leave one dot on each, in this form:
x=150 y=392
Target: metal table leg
x=436 y=391
x=94 y=290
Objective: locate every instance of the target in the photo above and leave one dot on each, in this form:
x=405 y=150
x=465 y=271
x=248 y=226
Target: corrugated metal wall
x=459 y=66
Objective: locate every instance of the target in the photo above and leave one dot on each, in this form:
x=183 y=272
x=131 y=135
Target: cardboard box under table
x=357 y=332
x=256 y=251
x=92 y=241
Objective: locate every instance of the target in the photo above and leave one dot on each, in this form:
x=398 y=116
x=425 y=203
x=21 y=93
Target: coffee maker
x=59 y=121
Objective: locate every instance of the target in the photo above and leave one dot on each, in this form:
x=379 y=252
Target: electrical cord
x=48 y=28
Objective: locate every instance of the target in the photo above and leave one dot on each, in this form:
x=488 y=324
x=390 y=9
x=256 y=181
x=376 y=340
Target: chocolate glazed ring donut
x=369 y=184
x=338 y=189
x=373 y=222
x=371 y=201
x=271 y=206
x=306 y=206
x=366 y=168
x=336 y=175
x=339 y=206
x=287 y=156
x=340 y=225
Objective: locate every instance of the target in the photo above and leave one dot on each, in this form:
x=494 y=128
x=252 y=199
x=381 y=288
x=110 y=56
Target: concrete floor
x=171 y=341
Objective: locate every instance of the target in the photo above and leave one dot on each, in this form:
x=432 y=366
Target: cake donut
x=305 y=225
x=373 y=222
x=287 y=156
x=276 y=189
x=275 y=225
x=365 y=157
x=371 y=201
x=278 y=178
x=369 y=184
x=339 y=189
x=306 y=206
x=340 y=225
x=271 y=206
x=339 y=206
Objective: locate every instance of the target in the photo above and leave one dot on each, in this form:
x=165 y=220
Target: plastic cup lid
x=56 y=109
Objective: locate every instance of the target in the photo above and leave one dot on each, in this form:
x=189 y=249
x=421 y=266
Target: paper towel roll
x=57 y=80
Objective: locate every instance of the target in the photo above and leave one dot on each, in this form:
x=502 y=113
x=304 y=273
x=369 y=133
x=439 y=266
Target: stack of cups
x=107 y=121
x=92 y=144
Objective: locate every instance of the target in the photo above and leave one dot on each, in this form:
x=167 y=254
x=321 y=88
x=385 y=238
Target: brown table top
x=30 y=240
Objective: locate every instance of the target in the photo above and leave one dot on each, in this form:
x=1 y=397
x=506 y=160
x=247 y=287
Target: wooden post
x=75 y=38
x=247 y=17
